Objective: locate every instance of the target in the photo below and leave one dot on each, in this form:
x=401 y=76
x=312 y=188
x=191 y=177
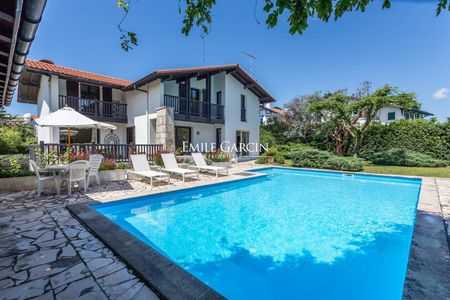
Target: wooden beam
x=4 y=53
x=6 y=17
x=5 y=39
x=203 y=76
x=249 y=86
x=29 y=83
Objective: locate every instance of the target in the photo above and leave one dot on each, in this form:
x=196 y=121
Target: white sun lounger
x=201 y=164
x=171 y=166
x=142 y=169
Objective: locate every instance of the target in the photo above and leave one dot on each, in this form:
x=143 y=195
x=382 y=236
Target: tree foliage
x=354 y=113
x=15 y=136
x=299 y=12
x=298 y=121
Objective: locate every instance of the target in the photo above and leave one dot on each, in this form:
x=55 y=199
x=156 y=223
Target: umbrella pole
x=68 y=141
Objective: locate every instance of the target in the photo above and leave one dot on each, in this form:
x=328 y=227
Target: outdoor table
x=60 y=168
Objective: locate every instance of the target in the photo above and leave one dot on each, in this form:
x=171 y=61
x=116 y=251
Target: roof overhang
x=29 y=69
x=202 y=72
x=19 y=20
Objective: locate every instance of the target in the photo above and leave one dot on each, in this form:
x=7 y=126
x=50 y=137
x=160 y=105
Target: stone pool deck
x=45 y=253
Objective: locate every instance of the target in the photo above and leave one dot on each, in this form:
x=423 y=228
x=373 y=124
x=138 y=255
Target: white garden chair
x=42 y=179
x=95 y=161
x=77 y=173
x=142 y=169
x=171 y=166
x=201 y=164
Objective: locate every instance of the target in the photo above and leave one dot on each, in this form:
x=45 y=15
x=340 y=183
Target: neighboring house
x=391 y=113
x=267 y=113
x=197 y=105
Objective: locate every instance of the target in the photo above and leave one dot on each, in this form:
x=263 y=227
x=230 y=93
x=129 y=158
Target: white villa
x=391 y=113
x=212 y=104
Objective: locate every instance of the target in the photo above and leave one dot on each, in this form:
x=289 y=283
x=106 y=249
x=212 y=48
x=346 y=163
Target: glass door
x=182 y=137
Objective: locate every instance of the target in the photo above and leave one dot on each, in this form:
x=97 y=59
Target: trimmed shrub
x=279 y=159
x=344 y=163
x=310 y=158
x=287 y=149
x=314 y=158
x=261 y=160
x=401 y=157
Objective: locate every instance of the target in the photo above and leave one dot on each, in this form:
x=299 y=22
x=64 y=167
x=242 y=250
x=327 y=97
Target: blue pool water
x=291 y=234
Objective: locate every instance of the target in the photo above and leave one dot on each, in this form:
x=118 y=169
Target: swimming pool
x=290 y=234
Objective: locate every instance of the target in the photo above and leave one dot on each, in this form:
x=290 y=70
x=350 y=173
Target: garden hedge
x=427 y=137
x=314 y=158
x=401 y=157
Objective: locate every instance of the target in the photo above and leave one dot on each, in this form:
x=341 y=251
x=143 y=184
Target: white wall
x=383 y=114
x=47 y=100
x=138 y=102
x=217 y=85
x=121 y=133
x=118 y=96
x=233 y=91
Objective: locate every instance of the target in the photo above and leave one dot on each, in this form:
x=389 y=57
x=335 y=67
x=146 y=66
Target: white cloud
x=441 y=93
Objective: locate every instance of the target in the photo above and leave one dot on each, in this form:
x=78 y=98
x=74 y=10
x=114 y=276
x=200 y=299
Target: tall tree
x=199 y=13
x=354 y=113
x=298 y=121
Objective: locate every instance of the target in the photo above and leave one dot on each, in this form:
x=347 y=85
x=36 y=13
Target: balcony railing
x=198 y=111
x=95 y=109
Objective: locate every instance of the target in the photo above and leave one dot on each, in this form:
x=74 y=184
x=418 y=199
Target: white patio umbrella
x=68 y=117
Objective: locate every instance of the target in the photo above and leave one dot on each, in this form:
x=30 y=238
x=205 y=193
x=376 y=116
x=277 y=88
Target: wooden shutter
x=72 y=88
x=107 y=94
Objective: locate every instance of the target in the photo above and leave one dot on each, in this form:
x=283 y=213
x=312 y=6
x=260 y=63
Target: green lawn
x=410 y=171
x=396 y=170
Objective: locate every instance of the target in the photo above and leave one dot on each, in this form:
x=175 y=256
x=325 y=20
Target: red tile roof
x=60 y=70
x=277 y=110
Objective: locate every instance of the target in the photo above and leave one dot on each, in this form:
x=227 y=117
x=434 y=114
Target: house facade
x=203 y=107
x=389 y=114
x=268 y=113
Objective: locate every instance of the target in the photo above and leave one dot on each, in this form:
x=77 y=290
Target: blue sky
x=405 y=46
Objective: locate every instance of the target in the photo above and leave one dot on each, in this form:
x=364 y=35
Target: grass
x=409 y=171
x=396 y=170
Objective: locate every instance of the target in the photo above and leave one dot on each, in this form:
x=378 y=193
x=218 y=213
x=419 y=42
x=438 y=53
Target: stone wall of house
x=165 y=128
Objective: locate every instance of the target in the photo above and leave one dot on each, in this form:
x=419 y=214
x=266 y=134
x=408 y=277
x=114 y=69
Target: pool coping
x=170 y=281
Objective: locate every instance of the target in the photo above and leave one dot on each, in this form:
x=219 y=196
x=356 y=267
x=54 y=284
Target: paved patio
x=47 y=254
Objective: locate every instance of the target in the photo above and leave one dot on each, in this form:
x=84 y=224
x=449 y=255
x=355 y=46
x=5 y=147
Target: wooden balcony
x=102 y=111
x=195 y=111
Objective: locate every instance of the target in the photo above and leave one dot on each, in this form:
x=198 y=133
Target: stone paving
x=45 y=253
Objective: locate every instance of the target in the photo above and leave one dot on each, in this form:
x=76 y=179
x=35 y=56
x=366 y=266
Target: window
x=243 y=109
x=131 y=133
x=182 y=134
x=195 y=94
x=391 y=116
x=219 y=98
x=89 y=91
x=218 y=138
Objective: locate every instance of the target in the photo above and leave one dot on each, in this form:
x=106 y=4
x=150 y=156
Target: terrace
x=44 y=250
